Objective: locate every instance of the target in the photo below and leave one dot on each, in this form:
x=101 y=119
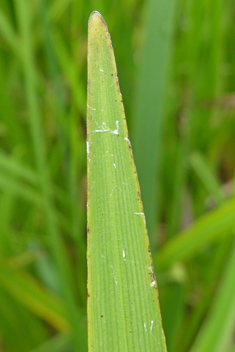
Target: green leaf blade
x=123 y=308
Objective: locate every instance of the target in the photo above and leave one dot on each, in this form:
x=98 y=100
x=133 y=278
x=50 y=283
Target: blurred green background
x=176 y=66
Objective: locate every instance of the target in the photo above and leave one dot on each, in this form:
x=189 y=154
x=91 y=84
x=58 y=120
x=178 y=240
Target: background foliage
x=176 y=62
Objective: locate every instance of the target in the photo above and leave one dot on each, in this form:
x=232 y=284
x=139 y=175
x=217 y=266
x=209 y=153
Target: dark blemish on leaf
x=88 y=295
x=152 y=265
x=101 y=316
x=111 y=74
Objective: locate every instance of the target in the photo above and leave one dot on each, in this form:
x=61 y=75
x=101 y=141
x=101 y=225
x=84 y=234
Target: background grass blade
x=148 y=105
x=204 y=231
x=123 y=308
x=58 y=343
x=8 y=33
x=60 y=255
x=204 y=173
x=215 y=334
x=26 y=290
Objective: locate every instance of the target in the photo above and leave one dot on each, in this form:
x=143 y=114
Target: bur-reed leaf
x=123 y=308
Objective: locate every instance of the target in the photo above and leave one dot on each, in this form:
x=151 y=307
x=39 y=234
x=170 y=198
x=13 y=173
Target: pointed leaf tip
x=95 y=20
